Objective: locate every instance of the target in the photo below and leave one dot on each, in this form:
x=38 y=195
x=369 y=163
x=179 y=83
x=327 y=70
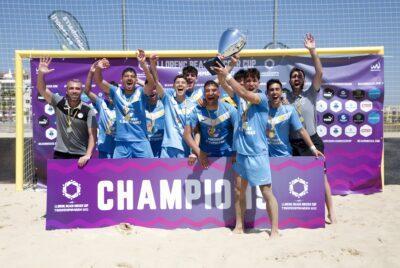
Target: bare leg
x=272 y=208
x=328 y=201
x=240 y=203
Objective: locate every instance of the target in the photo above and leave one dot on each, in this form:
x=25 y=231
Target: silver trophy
x=232 y=41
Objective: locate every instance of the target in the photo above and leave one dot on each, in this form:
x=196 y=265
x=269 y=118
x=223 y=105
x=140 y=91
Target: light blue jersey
x=194 y=95
x=250 y=137
x=155 y=125
x=105 y=141
x=280 y=122
x=216 y=128
x=176 y=117
x=130 y=114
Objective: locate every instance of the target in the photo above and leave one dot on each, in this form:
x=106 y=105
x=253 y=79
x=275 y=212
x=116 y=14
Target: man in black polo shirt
x=76 y=121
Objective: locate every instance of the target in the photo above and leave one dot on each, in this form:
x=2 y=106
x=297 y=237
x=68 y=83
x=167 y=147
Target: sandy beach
x=367 y=235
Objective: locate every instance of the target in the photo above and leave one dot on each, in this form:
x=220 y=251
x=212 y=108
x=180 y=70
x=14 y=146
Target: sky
x=176 y=24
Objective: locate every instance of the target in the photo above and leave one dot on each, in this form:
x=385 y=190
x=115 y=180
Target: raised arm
x=153 y=70
x=237 y=88
x=88 y=83
x=141 y=57
x=304 y=134
x=98 y=75
x=41 y=83
x=309 y=43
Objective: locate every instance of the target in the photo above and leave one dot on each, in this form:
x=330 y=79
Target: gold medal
x=245 y=125
x=211 y=131
x=271 y=133
x=127 y=117
x=150 y=127
x=301 y=119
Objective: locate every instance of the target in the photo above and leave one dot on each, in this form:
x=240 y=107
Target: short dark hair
x=239 y=74
x=179 y=76
x=295 y=69
x=253 y=73
x=129 y=69
x=189 y=69
x=210 y=82
x=273 y=81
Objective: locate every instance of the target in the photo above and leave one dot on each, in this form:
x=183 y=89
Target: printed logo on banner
x=366 y=130
x=71 y=189
x=343 y=118
x=350 y=131
x=43 y=121
x=374 y=118
x=51 y=133
x=48 y=109
x=374 y=94
x=335 y=131
x=350 y=106
x=328 y=93
x=298 y=187
x=343 y=93
x=336 y=106
x=269 y=64
x=358 y=118
x=322 y=106
x=358 y=94
x=376 y=67
x=322 y=130
x=328 y=118
x=366 y=105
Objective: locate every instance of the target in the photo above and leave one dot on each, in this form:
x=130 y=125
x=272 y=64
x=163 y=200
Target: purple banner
x=167 y=193
x=349 y=105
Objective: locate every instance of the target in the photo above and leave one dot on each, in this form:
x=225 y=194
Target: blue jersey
x=130 y=114
x=155 y=125
x=194 y=95
x=216 y=128
x=250 y=137
x=280 y=122
x=176 y=117
x=105 y=141
x=226 y=98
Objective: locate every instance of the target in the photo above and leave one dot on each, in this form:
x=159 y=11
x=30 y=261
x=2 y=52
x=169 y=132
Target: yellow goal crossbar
x=20 y=55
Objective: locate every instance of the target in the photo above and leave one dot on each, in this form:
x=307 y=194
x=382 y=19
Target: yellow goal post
x=20 y=55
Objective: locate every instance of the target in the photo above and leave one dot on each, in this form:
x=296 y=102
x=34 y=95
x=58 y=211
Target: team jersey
x=176 y=117
x=130 y=114
x=105 y=141
x=250 y=137
x=281 y=121
x=155 y=125
x=216 y=128
x=194 y=95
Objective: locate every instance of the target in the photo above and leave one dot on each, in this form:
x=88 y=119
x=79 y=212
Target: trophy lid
x=231 y=42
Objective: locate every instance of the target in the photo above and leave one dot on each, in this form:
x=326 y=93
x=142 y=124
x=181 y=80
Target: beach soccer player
x=250 y=142
x=216 y=122
x=106 y=111
x=177 y=108
x=282 y=119
x=130 y=106
x=305 y=103
x=76 y=121
x=193 y=93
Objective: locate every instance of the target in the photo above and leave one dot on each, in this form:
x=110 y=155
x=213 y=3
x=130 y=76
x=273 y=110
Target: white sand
x=367 y=235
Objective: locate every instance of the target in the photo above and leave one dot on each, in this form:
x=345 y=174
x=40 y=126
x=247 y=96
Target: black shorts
x=61 y=155
x=300 y=148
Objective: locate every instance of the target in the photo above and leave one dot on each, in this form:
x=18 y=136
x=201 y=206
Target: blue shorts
x=253 y=168
x=171 y=152
x=132 y=149
x=105 y=155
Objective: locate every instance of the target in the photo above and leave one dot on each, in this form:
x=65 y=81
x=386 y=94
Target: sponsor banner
x=167 y=193
x=349 y=108
x=68 y=30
